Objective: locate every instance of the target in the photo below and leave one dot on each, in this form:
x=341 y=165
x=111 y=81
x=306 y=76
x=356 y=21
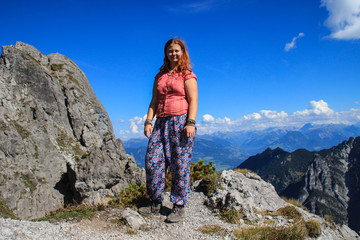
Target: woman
x=174 y=102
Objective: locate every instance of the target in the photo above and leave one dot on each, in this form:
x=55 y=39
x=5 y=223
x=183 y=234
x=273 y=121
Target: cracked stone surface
x=57 y=144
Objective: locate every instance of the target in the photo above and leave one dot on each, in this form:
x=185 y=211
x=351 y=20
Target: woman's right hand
x=148 y=130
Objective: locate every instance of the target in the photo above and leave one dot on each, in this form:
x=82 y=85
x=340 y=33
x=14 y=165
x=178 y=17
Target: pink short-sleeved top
x=171 y=93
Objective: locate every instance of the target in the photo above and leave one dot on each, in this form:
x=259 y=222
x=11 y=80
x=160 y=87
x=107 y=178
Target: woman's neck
x=173 y=67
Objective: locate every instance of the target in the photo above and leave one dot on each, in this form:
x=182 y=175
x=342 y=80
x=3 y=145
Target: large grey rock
x=133 y=218
x=245 y=192
x=57 y=144
x=250 y=194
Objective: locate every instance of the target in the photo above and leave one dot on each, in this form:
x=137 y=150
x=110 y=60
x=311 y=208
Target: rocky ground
x=247 y=192
x=101 y=226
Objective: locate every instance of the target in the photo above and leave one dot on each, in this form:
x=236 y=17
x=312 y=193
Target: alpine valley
x=228 y=149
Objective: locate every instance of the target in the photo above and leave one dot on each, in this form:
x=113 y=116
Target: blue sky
x=259 y=63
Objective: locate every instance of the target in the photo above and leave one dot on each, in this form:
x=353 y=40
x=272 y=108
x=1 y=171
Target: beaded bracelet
x=190 y=122
x=148 y=122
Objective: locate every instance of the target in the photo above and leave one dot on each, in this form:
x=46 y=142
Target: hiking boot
x=153 y=207
x=177 y=214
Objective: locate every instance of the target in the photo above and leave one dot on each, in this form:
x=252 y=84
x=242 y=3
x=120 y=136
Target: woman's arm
x=151 y=112
x=192 y=97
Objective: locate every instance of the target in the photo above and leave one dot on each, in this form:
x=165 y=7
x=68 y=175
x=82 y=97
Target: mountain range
x=326 y=181
x=228 y=149
x=58 y=148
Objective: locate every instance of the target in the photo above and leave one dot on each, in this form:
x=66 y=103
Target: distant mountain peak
x=306 y=127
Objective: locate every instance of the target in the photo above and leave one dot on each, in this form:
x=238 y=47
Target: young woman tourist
x=174 y=102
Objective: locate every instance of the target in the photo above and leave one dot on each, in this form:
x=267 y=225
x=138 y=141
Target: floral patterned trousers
x=169 y=147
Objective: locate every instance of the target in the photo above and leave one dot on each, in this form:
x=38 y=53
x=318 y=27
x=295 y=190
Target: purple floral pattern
x=169 y=147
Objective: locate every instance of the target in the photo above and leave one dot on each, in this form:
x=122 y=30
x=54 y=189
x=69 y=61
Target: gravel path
x=197 y=215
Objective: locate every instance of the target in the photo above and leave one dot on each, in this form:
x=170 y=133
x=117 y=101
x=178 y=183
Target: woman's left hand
x=189 y=131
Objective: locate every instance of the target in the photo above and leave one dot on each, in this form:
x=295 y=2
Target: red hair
x=184 y=61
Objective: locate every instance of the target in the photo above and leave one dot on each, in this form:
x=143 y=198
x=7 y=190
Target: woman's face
x=174 y=53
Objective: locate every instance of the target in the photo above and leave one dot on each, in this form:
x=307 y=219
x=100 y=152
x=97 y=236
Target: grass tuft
x=231 y=215
x=294 y=202
x=130 y=231
x=57 y=67
x=295 y=232
x=243 y=171
x=212 y=229
x=330 y=221
x=289 y=212
x=313 y=227
x=72 y=212
x=5 y=211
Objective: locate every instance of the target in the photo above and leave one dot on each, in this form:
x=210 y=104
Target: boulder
x=133 y=218
x=251 y=195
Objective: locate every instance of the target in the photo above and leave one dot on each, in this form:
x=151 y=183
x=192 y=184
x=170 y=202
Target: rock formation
x=57 y=144
x=254 y=197
x=326 y=182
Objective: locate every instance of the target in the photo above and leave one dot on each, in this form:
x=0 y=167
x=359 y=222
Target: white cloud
x=267 y=114
x=138 y=120
x=224 y=120
x=316 y=108
x=134 y=128
x=252 y=116
x=208 y=118
x=344 y=18
x=291 y=44
x=273 y=114
x=119 y=121
x=318 y=112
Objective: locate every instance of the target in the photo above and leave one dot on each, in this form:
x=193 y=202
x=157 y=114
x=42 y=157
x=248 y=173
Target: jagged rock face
x=277 y=166
x=327 y=183
x=245 y=192
x=57 y=144
x=330 y=185
x=250 y=194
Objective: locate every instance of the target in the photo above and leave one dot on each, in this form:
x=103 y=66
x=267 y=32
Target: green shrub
x=209 y=184
x=134 y=196
x=107 y=134
x=199 y=170
x=313 y=227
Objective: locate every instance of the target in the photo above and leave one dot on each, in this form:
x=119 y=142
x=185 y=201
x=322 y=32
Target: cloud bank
x=318 y=112
x=344 y=18
x=291 y=44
